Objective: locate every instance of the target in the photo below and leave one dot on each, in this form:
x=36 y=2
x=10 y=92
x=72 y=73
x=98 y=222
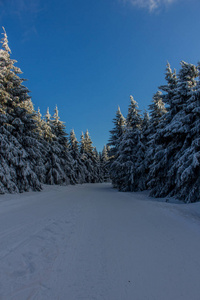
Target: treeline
x=161 y=152
x=36 y=150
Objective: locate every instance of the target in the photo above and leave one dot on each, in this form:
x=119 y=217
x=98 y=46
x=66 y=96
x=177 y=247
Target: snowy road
x=91 y=242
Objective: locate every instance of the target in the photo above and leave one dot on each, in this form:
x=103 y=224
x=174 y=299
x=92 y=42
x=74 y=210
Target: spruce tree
x=143 y=159
x=170 y=87
x=78 y=165
x=19 y=122
x=116 y=135
x=59 y=161
x=98 y=175
x=187 y=164
x=105 y=164
x=84 y=159
x=59 y=131
x=91 y=159
x=40 y=168
x=157 y=116
x=125 y=165
x=171 y=135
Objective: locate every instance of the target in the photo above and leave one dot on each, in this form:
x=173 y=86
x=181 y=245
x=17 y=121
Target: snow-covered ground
x=91 y=242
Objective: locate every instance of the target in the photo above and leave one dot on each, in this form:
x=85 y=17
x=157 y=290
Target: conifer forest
x=157 y=151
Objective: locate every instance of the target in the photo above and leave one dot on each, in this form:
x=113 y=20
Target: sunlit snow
x=92 y=242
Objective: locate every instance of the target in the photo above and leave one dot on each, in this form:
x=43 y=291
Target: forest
x=158 y=151
x=36 y=150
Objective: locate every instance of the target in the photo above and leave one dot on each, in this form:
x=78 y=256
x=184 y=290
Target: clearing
x=91 y=242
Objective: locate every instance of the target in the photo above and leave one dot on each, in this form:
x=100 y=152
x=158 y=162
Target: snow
x=91 y=242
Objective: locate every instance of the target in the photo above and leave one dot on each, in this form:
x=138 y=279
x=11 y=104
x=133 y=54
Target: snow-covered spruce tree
x=83 y=155
x=157 y=110
x=157 y=114
x=93 y=157
x=40 y=168
x=143 y=162
x=58 y=162
x=169 y=88
x=104 y=158
x=171 y=136
x=19 y=123
x=89 y=159
x=59 y=130
x=130 y=152
x=138 y=124
x=6 y=164
x=187 y=164
x=78 y=165
x=116 y=135
x=158 y=151
x=97 y=166
x=10 y=152
x=101 y=171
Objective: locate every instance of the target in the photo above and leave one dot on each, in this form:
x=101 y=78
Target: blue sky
x=89 y=56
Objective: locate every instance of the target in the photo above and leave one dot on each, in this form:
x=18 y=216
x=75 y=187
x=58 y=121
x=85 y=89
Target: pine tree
x=105 y=164
x=10 y=154
x=116 y=133
x=59 y=161
x=59 y=131
x=143 y=159
x=187 y=164
x=47 y=127
x=133 y=119
x=171 y=135
x=91 y=160
x=40 y=158
x=78 y=165
x=157 y=116
x=97 y=166
x=114 y=142
x=170 y=87
x=126 y=163
x=20 y=123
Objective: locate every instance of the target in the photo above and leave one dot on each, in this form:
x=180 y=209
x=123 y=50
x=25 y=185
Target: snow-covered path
x=91 y=242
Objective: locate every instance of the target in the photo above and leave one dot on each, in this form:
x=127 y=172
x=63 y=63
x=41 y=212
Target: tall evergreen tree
x=78 y=165
x=20 y=122
x=90 y=160
x=187 y=164
x=40 y=158
x=59 y=131
x=172 y=134
x=170 y=87
x=116 y=135
x=59 y=161
x=84 y=158
x=97 y=166
x=157 y=116
x=105 y=164
x=142 y=161
x=125 y=165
